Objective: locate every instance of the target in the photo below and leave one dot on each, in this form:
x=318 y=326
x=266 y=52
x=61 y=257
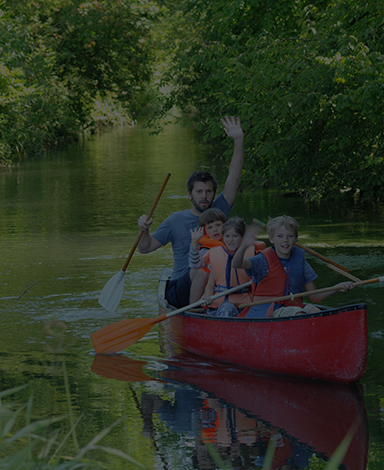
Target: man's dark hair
x=204 y=177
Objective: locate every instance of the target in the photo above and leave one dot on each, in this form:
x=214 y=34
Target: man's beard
x=200 y=209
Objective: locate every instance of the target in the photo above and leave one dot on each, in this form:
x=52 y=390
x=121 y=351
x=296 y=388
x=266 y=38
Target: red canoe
x=330 y=345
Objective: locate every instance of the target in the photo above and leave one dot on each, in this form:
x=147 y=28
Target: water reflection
x=238 y=411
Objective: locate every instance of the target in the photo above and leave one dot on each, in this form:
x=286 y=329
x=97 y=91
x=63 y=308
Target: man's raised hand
x=232 y=127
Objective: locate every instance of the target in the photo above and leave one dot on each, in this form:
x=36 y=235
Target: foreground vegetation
x=37 y=445
x=306 y=78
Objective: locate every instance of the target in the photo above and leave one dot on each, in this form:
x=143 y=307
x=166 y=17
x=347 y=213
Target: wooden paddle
x=309 y=250
x=113 y=290
x=120 y=335
x=340 y=271
x=318 y=255
x=308 y=293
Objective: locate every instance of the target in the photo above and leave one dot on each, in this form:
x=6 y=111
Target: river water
x=68 y=220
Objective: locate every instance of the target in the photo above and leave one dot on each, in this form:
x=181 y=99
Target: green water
x=68 y=220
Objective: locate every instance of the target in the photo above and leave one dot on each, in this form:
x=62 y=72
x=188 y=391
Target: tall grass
x=315 y=463
x=36 y=444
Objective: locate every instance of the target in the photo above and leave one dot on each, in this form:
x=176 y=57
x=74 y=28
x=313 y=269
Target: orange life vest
x=210 y=423
x=278 y=282
x=206 y=242
x=217 y=258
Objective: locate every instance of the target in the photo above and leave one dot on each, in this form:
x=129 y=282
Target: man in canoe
x=177 y=227
x=279 y=270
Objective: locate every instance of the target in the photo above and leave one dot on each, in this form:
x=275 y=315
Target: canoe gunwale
x=330 y=311
x=326 y=312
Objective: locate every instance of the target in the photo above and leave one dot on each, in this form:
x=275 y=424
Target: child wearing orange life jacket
x=207 y=236
x=223 y=276
x=204 y=238
x=279 y=270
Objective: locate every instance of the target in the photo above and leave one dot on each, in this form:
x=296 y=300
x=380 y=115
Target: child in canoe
x=279 y=270
x=206 y=236
x=223 y=275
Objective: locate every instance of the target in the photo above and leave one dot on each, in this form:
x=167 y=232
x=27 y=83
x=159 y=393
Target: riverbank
x=33 y=136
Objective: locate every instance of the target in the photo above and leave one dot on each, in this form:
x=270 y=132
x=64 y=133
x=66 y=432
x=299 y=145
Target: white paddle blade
x=111 y=294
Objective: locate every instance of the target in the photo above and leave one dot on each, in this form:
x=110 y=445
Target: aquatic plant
x=315 y=463
x=37 y=444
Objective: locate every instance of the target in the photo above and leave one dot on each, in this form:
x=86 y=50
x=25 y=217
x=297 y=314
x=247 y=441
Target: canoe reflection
x=239 y=412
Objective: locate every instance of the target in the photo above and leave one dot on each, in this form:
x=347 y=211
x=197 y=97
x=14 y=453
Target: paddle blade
x=120 y=368
x=111 y=294
x=120 y=335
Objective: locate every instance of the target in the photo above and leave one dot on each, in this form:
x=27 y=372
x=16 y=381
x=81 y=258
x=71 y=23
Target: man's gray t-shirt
x=177 y=229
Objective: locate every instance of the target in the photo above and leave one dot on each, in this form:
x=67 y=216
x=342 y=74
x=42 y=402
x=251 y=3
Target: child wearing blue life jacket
x=279 y=270
x=223 y=275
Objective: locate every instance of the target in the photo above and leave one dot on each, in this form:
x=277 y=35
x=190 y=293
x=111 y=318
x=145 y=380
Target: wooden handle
x=308 y=293
x=148 y=217
x=201 y=302
x=309 y=250
x=318 y=255
x=344 y=273
x=159 y=196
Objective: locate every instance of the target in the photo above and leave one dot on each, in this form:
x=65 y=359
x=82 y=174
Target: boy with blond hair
x=279 y=270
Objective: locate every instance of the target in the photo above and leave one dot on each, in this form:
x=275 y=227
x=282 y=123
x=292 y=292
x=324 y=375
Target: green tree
x=58 y=59
x=103 y=47
x=33 y=106
x=307 y=81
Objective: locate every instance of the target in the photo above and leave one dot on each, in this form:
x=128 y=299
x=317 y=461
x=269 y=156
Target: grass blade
x=268 y=459
x=338 y=456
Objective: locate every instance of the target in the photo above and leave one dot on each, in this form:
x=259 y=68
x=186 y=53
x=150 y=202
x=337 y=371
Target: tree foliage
x=59 y=57
x=101 y=47
x=307 y=80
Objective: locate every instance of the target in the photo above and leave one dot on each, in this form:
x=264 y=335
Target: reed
x=36 y=445
x=314 y=464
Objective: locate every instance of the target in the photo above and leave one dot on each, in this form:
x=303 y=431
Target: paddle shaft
x=198 y=303
x=201 y=302
x=343 y=273
x=148 y=217
x=309 y=292
x=318 y=255
x=165 y=316
x=312 y=252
